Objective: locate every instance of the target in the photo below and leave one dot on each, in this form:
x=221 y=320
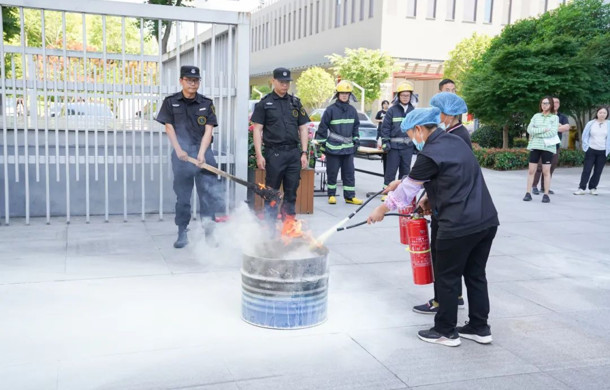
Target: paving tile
x=33 y=376
x=535 y=381
x=584 y=378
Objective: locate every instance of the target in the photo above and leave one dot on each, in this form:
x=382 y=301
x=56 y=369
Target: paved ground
x=114 y=306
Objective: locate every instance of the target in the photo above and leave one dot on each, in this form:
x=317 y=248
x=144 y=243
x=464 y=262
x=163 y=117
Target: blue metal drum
x=285 y=288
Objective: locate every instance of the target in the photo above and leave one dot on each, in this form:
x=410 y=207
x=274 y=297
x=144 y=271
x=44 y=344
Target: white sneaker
x=579 y=191
x=593 y=191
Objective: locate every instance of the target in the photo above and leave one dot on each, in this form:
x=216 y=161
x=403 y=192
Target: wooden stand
x=304 y=204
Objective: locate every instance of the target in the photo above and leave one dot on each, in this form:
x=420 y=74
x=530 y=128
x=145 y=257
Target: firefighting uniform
x=339 y=139
x=396 y=143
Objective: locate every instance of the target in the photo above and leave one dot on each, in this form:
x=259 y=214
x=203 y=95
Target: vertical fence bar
x=56 y=121
x=104 y=118
x=149 y=126
x=95 y=126
x=124 y=73
x=115 y=104
x=46 y=121
x=86 y=120
x=15 y=126
x=212 y=72
x=229 y=125
x=143 y=141
x=133 y=126
x=161 y=133
x=35 y=120
x=26 y=125
x=4 y=128
x=76 y=123
x=65 y=62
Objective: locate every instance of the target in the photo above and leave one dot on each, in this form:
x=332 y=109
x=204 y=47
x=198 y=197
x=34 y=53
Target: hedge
x=518 y=158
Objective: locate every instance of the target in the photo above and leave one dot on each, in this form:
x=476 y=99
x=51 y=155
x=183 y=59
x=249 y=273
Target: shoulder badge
x=295 y=113
x=201 y=120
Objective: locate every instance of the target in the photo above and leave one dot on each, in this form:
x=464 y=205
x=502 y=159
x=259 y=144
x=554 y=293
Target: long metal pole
x=143 y=141
x=68 y=178
x=46 y=121
x=161 y=133
x=5 y=130
x=123 y=122
x=105 y=119
x=26 y=125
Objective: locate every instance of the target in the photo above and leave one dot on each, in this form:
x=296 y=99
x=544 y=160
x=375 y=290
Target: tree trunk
x=168 y=29
x=505 y=136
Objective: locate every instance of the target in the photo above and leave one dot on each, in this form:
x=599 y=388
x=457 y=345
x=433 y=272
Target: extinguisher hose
x=364 y=222
x=364 y=204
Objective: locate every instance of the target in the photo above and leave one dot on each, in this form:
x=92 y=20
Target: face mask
x=419 y=145
x=443 y=126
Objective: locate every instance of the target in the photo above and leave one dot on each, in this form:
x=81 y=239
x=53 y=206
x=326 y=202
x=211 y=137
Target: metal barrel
x=282 y=291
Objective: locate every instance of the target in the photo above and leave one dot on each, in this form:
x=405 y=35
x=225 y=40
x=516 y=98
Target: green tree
x=264 y=89
x=564 y=53
x=368 y=68
x=10 y=22
x=314 y=87
x=152 y=25
x=462 y=56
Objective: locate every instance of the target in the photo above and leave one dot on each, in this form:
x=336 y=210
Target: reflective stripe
x=341 y=121
x=346 y=188
x=332 y=186
x=339 y=147
x=321 y=140
x=398 y=119
x=339 y=138
x=400 y=140
x=355 y=138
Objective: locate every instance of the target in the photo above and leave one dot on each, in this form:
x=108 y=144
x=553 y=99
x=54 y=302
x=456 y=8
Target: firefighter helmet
x=404 y=86
x=344 y=86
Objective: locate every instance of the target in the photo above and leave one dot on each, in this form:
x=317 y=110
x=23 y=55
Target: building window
x=508 y=8
x=337 y=13
x=411 y=8
x=311 y=19
x=353 y=11
x=317 y=16
x=431 y=14
x=345 y=12
x=470 y=10
x=489 y=9
x=294 y=25
x=371 y=8
x=299 y=24
x=546 y=5
x=361 y=9
x=450 y=10
x=305 y=21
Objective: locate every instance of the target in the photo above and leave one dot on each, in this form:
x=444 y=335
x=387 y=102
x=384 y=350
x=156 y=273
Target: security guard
x=394 y=142
x=467 y=224
x=279 y=123
x=189 y=119
x=339 y=139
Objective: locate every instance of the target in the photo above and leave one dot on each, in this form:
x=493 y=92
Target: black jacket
x=338 y=129
x=390 y=128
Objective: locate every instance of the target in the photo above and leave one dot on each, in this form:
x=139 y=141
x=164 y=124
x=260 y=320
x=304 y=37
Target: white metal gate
x=78 y=129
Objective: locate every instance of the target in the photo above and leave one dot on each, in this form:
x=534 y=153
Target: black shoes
x=431 y=307
x=432 y=336
x=535 y=191
x=480 y=336
x=527 y=197
x=182 y=240
x=545 y=198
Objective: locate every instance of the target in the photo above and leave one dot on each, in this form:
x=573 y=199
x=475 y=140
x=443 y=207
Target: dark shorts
x=536 y=154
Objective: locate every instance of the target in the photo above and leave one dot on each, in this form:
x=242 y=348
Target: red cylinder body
x=402 y=223
x=419 y=248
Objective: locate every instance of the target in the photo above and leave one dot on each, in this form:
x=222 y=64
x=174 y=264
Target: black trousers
x=465 y=256
x=345 y=162
x=596 y=160
x=283 y=168
x=209 y=188
x=433 y=233
x=397 y=160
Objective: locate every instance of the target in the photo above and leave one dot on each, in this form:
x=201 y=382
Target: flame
x=293 y=229
x=261 y=186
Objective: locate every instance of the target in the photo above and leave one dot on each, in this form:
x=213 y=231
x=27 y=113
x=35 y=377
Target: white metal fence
x=78 y=129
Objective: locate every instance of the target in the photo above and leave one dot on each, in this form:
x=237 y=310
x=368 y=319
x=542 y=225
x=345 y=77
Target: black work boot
x=183 y=239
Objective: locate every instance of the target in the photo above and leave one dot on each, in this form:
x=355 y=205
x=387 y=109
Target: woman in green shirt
x=543 y=144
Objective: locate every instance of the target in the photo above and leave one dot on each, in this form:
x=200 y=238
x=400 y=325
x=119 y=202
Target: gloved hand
x=322 y=147
x=356 y=143
x=385 y=146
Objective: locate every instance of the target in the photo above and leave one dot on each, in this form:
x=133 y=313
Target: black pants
x=345 y=162
x=397 y=160
x=283 y=167
x=433 y=233
x=456 y=257
x=209 y=189
x=594 y=159
x=538 y=173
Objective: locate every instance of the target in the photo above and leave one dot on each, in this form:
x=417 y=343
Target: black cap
x=282 y=74
x=189 y=71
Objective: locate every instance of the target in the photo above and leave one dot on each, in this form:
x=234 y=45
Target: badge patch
x=295 y=113
x=201 y=120
x=213 y=110
x=303 y=112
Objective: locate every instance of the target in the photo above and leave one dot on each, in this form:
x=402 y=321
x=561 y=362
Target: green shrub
x=488 y=136
x=519 y=142
x=571 y=158
x=506 y=160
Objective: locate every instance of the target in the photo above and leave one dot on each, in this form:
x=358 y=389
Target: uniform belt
x=282 y=146
x=339 y=138
x=401 y=140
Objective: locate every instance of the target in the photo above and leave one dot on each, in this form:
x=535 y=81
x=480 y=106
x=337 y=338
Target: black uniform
x=281 y=118
x=189 y=117
x=339 y=137
x=467 y=224
x=380 y=115
x=396 y=143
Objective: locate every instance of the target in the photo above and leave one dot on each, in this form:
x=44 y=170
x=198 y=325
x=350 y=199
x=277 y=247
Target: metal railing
x=78 y=129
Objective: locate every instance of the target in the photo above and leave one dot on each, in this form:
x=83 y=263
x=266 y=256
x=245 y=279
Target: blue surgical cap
x=421 y=116
x=449 y=103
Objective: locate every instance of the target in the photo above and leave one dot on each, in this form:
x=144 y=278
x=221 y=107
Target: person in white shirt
x=596 y=144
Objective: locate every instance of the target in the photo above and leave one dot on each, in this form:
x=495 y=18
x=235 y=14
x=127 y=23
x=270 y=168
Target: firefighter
x=339 y=139
x=189 y=120
x=395 y=142
x=467 y=224
x=279 y=121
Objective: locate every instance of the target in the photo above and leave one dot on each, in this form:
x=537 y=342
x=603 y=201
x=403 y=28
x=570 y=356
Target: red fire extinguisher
x=402 y=222
x=419 y=248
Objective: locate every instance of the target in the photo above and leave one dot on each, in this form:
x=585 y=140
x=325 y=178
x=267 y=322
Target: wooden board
x=304 y=203
x=367 y=150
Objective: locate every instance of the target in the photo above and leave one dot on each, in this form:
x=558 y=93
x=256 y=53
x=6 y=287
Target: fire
x=293 y=229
